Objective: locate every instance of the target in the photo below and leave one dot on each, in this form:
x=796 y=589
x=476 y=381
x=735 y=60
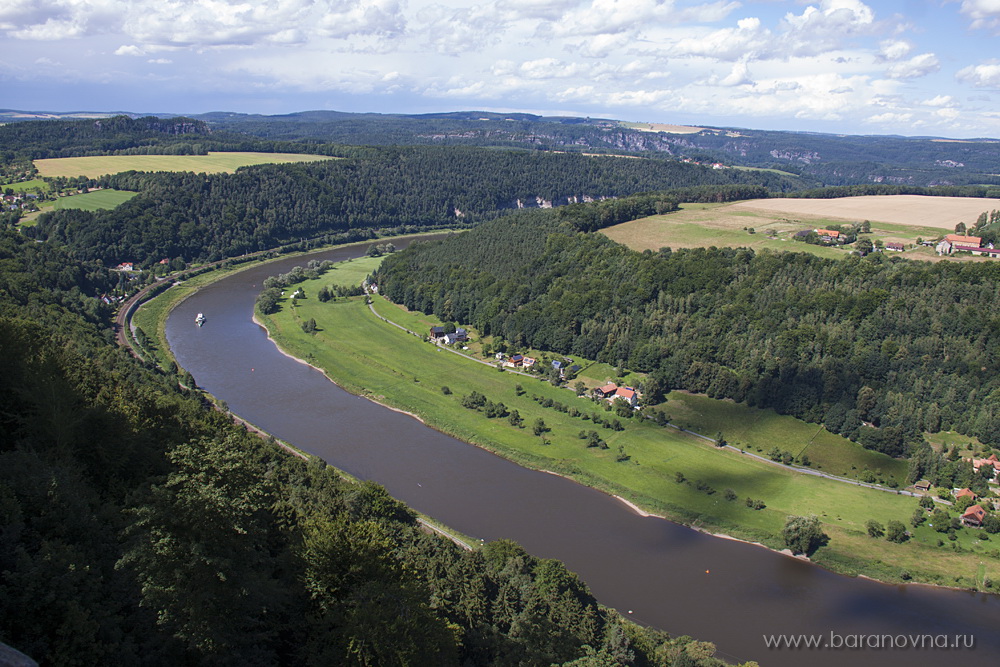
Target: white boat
x=200 y=319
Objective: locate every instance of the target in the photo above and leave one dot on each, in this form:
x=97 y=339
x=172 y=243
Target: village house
x=125 y=266
x=964 y=241
x=516 y=360
x=829 y=235
x=627 y=394
x=605 y=391
x=895 y=247
x=922 y=485
x=529 y=362
x=965 y=493
x=990 y=461
x=437 y=333
x=974 y=516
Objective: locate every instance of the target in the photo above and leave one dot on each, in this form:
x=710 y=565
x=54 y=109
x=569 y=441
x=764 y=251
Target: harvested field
x=916 y=210
x=213 y=163
x=663 y=127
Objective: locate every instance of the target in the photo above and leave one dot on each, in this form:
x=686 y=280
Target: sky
x=909 y=67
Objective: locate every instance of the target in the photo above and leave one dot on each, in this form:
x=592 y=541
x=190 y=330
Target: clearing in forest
x=213 y=163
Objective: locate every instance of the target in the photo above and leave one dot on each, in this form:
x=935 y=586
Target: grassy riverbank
x=641 y=462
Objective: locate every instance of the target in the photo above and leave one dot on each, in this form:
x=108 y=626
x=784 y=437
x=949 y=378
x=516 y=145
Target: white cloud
x=748 y=37
x=160 y=61
x=739 y=75
x=922 y=65
x=890 y=117
x=129 y=50
x=984 y=13
x=984 y=75
x=894 y=49
x=939 y=101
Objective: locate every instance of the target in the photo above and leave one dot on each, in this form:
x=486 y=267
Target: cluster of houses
x=713 y=165
x=976 y=514
x=612 y=392
x=515 y=360
x=825 y=235
x=962 y=243
x=439 y=335
x=19 y=200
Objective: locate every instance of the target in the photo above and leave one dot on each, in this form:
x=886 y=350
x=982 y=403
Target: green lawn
x=94 y=201
x=213 y=163
x=26 y=185
x=759 y=431
x=372 y=358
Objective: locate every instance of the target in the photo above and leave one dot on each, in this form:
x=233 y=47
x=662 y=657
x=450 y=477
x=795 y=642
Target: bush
x=445 y=390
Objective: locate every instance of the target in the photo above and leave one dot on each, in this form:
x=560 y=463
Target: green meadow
x=759 y=431
x=643 y=462
x=23 y=186
x=94 y=201
x=213 y=163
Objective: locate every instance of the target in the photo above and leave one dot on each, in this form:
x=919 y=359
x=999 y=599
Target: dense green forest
x=139 y=526
x=199 y=217
x=878 y=349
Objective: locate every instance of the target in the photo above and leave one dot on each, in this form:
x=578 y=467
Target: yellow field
x=916 y=210
x=901 y=219
x=213 y=163
x=663 y=127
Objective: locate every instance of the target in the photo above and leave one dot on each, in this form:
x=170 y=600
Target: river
x=655 y=572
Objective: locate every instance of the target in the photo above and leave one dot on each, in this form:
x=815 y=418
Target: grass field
x=705 y=225
x=372 y=358
x=759 y=431
x=213 y=163
x=26 y=185
x=94 y=201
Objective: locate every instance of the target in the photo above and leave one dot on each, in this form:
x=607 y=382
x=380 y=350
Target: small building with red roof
x=974 y=516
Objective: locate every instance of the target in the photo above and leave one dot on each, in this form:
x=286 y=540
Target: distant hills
x=825 y=159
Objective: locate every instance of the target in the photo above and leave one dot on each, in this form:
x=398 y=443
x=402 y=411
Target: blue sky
x=912 y=67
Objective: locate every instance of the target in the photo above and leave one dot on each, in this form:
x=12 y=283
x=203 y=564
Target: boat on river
x=200 y=319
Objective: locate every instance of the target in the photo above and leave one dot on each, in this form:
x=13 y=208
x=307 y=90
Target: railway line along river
x=740 y=596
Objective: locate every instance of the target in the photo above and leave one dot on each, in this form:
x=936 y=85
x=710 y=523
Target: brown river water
x=655 y=572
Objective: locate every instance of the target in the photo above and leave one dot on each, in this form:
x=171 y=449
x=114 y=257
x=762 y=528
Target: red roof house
x=966 y=492
x=974 y=516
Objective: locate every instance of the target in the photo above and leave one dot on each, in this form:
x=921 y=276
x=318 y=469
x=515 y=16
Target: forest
x=878 y=349
x=139 y=526
x=205 y=218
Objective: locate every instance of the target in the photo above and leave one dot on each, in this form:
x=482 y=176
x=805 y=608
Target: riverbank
x=370 y=358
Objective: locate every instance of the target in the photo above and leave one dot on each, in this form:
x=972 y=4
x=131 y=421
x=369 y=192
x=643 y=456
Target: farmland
x=213 y=163
x=911 y=210
x=903 y=219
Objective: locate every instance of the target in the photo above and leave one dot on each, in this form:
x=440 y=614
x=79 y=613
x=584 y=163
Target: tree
x=896 y=532
x=960 y=228
x=309 y=326
x=539 y=427
x=864 y=246
x=874 y=528
x=515 y=419
x=803 y=535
